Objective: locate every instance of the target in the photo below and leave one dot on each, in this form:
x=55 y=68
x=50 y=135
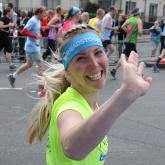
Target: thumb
x=149 y=80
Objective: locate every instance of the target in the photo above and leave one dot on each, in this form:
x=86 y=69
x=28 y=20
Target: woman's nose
x=94 y=61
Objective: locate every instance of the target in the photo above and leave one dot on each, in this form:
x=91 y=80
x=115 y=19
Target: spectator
x=121 y=34
x=14 y=18
x=156 y=65
x=162 y=35
x=85 y=17
x=155 y=38
x=21 y=22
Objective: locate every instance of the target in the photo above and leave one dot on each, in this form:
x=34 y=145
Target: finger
x=123 y=59
x=133 y=58
x=140 y=70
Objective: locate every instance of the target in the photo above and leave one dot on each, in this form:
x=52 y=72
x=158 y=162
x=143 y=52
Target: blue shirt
x=106 y=33
x=155 y=34
x=33 y=26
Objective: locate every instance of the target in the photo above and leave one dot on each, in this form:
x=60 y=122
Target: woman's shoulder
x=71 y=99
x=69 y=95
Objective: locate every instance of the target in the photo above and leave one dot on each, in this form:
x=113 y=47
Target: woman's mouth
x=96 y=76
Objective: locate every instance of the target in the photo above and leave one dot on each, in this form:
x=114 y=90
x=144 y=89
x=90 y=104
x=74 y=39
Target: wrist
x=129 y=94
x=120 y=101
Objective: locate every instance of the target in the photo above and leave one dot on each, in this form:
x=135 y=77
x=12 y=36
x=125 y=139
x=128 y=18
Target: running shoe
x=113 y=73
x=11 y=80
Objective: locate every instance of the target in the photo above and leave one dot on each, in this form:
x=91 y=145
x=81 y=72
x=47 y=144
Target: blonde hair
x=55 y=84
x=157 y=22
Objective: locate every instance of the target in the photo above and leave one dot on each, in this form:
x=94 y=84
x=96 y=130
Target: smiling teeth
x=95 y=76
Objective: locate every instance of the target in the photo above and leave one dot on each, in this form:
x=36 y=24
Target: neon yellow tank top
x=96 y=24
x=71 y=99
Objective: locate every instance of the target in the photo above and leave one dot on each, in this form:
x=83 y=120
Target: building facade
x=152 y=9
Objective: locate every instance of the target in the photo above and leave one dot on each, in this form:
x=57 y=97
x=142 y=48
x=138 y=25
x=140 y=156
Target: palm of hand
x=133 y=75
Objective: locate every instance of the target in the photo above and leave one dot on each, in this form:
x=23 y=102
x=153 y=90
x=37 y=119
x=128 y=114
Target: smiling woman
x=77 y=131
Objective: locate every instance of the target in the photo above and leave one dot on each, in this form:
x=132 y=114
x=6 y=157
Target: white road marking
x=11 y=88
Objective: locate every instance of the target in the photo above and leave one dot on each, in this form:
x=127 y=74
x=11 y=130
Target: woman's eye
x=99 y=52
x=80 y=58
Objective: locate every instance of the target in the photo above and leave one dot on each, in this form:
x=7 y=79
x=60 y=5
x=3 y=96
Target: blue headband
x=79 y=44
x=75 y=10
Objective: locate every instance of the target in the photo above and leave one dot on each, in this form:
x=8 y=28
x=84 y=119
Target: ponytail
x=55 y=84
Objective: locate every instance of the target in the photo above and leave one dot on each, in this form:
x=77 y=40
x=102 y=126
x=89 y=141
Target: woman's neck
x=90 y=97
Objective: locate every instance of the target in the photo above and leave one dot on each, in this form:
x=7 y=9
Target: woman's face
x=78 y=16
x=156 y=24
x=88 y=70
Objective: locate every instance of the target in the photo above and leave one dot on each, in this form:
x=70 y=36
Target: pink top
x=67 y=25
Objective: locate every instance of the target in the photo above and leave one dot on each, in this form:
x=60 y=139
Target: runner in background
x=44 y=27
x=133 y=27
x=73 y=17
x=96 y=21
x=32 y=45
x=108 y=28
x=55 y=28
x=45 y=30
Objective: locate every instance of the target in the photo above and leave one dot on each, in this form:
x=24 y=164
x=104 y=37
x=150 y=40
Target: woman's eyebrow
x=81 y=53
